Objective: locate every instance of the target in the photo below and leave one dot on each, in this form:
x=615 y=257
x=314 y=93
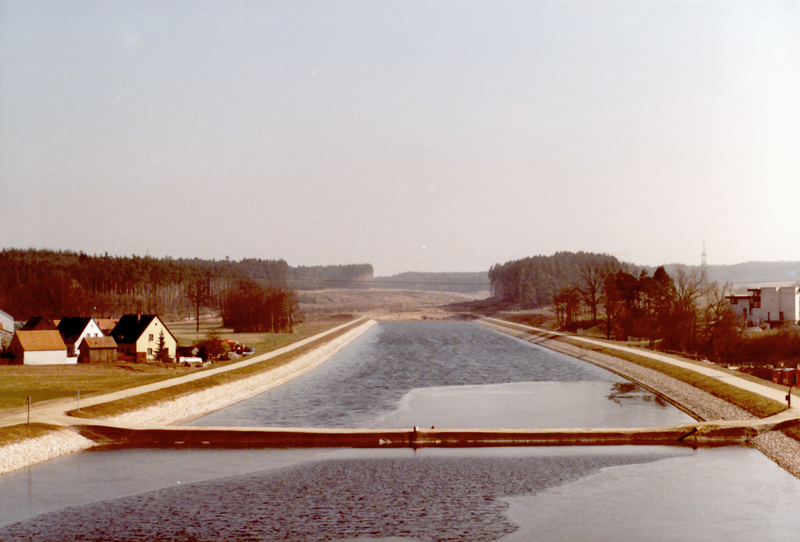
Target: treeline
x=58 y=283
x=683 y=312
x=533 y=282
x=252 y=307
x=440 y=282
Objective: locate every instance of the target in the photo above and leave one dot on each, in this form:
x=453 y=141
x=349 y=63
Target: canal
x=447 y=374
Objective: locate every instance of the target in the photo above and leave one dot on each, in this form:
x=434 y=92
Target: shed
x=97 y=350
x=39 y=347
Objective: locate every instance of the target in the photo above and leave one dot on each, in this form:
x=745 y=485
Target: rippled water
x=646 y=494
x=430 y=495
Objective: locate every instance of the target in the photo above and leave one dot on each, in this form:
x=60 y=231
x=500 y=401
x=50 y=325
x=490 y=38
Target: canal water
x=454 y=375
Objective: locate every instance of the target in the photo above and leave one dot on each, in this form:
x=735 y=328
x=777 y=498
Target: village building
x=6 y=329
x=73 y=329
x=97 y=350
x=106 y=325
x=39 y=323
x=39 y=347
x=138 y=338
x=771 y=306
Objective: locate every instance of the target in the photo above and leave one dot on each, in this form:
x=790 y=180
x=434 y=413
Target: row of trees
x=253 y=307
x=57 y=283
x=683 y=312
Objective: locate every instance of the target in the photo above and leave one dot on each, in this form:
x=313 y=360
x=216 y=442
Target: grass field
x=46 y=382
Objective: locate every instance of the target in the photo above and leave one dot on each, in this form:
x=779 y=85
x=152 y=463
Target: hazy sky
x=412 y=135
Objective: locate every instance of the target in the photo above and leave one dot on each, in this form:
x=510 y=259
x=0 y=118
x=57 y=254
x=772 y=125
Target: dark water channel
x=457 y=375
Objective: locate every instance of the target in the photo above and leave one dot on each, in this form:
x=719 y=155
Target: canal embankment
x=689 y=395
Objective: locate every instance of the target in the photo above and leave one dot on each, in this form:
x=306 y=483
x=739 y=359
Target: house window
x=150 y=337
x=149 y=351
x=781 y=316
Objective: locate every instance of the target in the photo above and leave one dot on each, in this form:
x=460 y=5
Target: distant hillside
x=440 y=282
x=750 y=273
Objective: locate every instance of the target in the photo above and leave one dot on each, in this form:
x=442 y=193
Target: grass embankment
x=47 y=382
x=755 y=404
x=16 y=433
x=137 y=402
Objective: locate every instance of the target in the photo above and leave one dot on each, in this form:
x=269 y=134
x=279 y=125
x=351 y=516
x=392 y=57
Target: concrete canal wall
x=698 y=434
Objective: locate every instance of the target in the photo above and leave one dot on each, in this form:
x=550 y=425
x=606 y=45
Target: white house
x=138 y=338
x=6 y=329
x=771 y=306
x=74 y=329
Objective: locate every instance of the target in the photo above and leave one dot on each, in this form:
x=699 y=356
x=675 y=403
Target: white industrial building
x=771 y=306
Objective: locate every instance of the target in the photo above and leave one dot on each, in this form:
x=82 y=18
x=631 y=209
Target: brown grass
x=16 y=433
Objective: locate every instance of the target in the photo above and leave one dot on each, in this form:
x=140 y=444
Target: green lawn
x=42 y=383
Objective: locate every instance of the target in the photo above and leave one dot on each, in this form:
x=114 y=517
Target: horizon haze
x=414 y=136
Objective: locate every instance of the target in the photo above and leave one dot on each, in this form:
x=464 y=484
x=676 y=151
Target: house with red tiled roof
x=106 y=325
x=39 y=347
